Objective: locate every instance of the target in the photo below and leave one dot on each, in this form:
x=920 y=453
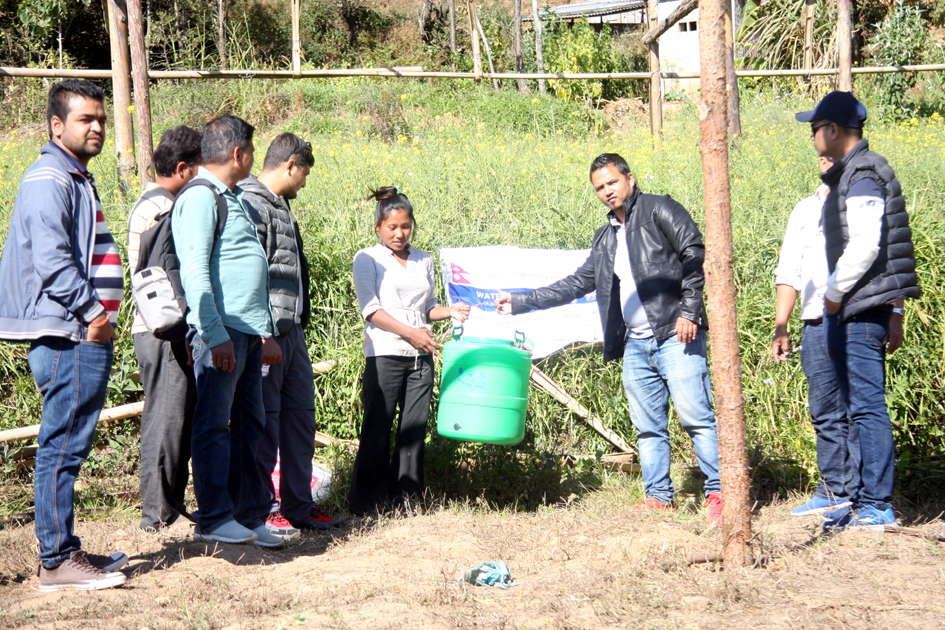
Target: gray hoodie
x=282 y=241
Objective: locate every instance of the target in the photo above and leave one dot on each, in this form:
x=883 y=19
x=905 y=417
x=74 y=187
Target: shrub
x=900 y=40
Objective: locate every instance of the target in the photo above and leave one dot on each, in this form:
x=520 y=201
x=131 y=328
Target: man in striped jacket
x=62 y=282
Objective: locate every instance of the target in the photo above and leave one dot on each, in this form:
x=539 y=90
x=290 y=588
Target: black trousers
x=289 y=396
x=170 y=394
x=389 y=382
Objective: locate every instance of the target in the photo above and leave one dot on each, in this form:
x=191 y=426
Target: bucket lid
x=492 y=341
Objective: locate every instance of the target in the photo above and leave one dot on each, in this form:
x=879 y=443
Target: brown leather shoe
x=78 y=573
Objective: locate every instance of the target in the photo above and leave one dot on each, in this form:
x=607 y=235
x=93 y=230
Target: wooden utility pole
x=296 y=38
x=810 y=6
x=139 y=74
x=474 y=37
x=731 y=79
x=720 y=285
x=517 y=45
x=656 y=94
x=539 y=52
x=121 y=87
x=845 y=44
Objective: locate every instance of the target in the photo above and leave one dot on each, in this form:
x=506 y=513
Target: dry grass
x=590 y=565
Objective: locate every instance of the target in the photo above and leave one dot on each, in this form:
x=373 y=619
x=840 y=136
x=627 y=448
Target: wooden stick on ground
x=546 y=383
x=132 y=410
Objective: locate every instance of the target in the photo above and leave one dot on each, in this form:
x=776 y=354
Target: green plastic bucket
x=483 y=391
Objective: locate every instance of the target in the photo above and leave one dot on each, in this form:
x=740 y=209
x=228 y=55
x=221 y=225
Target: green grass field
x=484 y=169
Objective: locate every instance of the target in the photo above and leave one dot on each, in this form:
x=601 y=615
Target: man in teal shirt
x=225 y=278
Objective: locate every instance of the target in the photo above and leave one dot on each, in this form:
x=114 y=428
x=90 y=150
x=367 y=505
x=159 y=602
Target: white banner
x=478 y=275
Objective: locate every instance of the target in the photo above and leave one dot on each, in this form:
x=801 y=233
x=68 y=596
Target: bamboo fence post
x=296 y=38
x=517 y=45
x=720 y=285
x=845 y=44
x=731 y=79
x=810 y=6
x=121 y=86
x=474 y=36
x=452 y=11
x=485 y=44
x=539 y=47
x=656 y=95
x=139 y=74
x=539 y=52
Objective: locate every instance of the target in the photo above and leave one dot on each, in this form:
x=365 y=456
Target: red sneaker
x=317 y=520
x=277 y=525
x=713 y=507
x=654 y=504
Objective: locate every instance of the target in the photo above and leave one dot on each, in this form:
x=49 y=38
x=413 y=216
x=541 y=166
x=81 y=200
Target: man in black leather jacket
x=646 y=266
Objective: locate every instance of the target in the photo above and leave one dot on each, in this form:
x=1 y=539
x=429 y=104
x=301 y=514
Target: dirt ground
x=592 y=564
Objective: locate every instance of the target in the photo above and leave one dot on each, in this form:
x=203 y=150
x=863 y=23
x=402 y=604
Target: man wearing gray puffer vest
x=288 y=387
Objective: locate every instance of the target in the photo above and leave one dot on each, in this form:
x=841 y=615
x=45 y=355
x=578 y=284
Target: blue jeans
x=857 y=350
x=828 y=416
x=73 y=379
x=228 y=423
x=652 y=371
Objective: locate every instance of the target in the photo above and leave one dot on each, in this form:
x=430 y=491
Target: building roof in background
x=590 y=9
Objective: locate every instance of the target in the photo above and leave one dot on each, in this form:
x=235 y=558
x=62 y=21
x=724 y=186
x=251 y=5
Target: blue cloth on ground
x=494 y=573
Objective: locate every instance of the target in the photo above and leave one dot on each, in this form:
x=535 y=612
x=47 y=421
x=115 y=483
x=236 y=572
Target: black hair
x=285 y=147
x=61 y=95
x=181 y=144
x=610 y=159
x=856 y=132
x=222 y=135
x=389 y=198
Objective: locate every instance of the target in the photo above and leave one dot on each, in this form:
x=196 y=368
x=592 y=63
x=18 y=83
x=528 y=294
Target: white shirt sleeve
x=864 y=225
x=789 y=267
x=365 y=284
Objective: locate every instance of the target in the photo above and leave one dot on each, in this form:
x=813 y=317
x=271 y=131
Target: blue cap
x=838 y=107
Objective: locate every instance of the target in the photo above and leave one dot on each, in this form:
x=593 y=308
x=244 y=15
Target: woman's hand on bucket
x=503 y=305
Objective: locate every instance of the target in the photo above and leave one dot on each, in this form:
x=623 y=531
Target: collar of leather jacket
x=628 y=205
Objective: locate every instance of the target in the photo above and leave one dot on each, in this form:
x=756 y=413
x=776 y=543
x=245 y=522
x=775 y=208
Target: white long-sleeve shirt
x=866 y=207
x=406 y=293
x=803 y=261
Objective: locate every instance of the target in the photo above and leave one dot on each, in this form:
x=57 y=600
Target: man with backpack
x=289 y=387
x=167 y=379
x=225 y=277
x=62 y=282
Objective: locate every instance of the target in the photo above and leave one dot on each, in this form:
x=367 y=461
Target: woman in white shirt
x=395 y=287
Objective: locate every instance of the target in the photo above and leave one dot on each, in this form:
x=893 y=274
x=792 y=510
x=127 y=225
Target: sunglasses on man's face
x=814 y=128
x=305 y=147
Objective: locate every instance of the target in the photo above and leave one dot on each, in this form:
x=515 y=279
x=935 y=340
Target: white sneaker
x=266 y=539
x=230 y=532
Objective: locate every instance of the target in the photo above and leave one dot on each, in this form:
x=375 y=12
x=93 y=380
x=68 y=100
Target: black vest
x=892 y=275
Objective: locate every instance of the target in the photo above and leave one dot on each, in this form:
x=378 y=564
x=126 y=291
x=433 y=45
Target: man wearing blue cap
x=871 y=272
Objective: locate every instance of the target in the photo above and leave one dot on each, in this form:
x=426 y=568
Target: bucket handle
x=457 y=331
x=519 y=339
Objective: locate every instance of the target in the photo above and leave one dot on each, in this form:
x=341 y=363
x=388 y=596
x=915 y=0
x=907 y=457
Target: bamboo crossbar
x=133 y=410
x=429 y=74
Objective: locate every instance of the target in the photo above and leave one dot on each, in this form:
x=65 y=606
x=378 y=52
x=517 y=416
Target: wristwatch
x=899 y=311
